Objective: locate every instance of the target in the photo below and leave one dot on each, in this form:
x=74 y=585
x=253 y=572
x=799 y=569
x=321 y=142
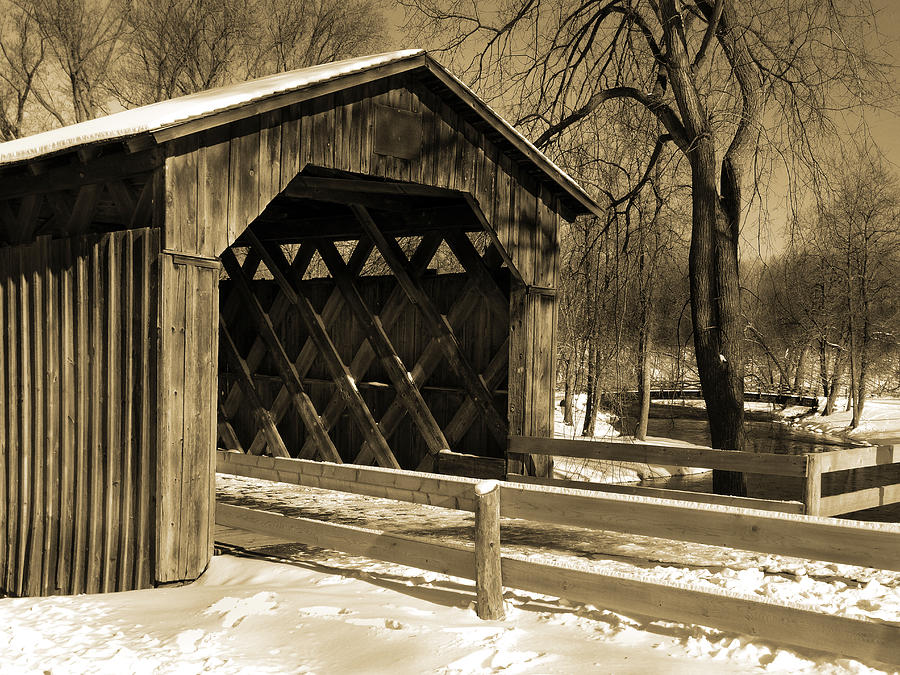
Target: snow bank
x=603 y=471
x=323 y=616
x=880 y=421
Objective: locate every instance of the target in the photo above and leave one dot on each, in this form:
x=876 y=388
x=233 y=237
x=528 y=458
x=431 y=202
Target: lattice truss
x=275 y=332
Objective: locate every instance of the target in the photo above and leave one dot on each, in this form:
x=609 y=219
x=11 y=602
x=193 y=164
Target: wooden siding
x=77 y=415
x=185 y=481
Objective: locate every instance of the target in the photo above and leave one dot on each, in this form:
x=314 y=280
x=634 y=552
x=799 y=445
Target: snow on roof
x=157 y=116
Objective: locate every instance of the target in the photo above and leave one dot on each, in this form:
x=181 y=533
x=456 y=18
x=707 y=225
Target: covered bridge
x=354 y=262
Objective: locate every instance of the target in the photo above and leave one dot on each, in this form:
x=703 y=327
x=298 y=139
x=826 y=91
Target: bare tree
x=82 y=37
x=22 y=52
x=858 y=237
x=177 y=47
x=714 y=74
x=299 y=33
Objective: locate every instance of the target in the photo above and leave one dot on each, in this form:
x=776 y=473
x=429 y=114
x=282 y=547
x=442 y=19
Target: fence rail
x=809 y=466
x=790 y=624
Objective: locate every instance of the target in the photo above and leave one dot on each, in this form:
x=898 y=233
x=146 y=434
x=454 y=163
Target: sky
x=765 y=236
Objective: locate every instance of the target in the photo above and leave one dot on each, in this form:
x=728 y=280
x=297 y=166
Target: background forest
x=660 y=110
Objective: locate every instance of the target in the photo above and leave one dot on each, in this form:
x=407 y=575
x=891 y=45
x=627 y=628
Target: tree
x=178 y=47
x=299 y=33
x=857 y=237
x=714 y=75
x=82 y=36
x=22 y=53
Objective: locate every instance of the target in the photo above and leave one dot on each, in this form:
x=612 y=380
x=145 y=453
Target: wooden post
x=488 y=582
x=812 y=486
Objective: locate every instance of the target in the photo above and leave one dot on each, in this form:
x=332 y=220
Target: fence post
x=488 y=582
x=812 y=486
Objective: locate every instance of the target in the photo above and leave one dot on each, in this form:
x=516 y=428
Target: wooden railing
x=868 y=544
x=808 y=466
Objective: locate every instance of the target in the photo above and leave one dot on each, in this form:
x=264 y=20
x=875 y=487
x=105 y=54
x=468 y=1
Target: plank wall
x=219 y=180
x=185 y=482
x=77 y=413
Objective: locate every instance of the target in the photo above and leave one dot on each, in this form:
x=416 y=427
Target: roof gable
x=174 y=118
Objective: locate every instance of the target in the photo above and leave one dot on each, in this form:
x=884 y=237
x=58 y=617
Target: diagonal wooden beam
x=431 y=356
x=390 y=313
x=8 y=220
x=437 y=324
x=307 y=356
x=227 y=432
x=427 y=362
x=143 y=208
x=260 y=414
x=494 y=237
x=83 y=209
x=407 y=392
x=286 y=369
x=258 y=350
x=29 y=209
x=468 y=257
x=123 y=198
x=467 y=413
x=278 y=265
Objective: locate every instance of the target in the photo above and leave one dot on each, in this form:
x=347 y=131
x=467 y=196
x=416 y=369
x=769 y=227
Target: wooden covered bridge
x=353 y=262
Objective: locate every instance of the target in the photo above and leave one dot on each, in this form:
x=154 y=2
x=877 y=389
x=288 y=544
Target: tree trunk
x=715 y=312
x=590 y=407
x=569 y=398
x=798 y=374
x=640 y=431
x=713 y=260
x=834 y=384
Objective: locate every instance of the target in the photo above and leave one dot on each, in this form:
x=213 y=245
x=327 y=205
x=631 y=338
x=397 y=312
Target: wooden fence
x=809 y=467
x=868 y=544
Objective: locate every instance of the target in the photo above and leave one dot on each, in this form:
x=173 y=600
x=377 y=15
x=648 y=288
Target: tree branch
x=664 y=113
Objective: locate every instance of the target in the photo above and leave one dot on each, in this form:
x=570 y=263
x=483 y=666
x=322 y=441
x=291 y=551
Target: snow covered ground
x=880 y=421
x=600 y=471
x=319 y=611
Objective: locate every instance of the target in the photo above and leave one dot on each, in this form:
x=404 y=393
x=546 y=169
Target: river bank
x=770 y=428
x=880 y=423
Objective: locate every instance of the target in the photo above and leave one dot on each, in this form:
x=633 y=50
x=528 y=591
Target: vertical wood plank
x=243 y=186
x=212 y=171
x=67 y=418
x=25 y=420
x=51 y=331
x=182 y=194
x=12 y=430
x=82 y=365
x=126 y=440
x=306 y=135
x=211 y=397
x=269 y=157
x=113 y=448
x=147 y=351
x=172 y=293
x=96 y=405
x=187 y=511
x=290 y=145
x=5 y=449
